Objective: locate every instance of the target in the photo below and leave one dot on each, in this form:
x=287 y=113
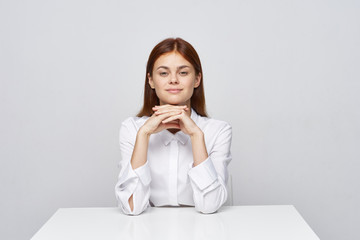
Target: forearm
x=198 y=147
x=208 y=179
x=139 y=154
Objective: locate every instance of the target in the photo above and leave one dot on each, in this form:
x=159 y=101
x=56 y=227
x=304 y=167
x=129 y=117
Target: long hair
x=184 y=48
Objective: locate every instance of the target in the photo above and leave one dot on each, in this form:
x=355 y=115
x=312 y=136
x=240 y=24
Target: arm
x=139 y=156
x=209 y=174
x=198 y=147
x=133 y=186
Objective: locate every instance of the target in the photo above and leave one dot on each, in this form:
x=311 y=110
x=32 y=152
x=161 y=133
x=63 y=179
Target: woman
x=172 y=153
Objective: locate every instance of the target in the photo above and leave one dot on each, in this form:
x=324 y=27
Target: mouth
x=173 y=90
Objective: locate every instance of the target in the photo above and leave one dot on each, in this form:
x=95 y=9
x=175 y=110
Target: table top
x=278 y=222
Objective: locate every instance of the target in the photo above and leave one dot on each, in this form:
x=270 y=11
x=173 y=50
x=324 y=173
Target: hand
x=155 y=123
x=184 y=121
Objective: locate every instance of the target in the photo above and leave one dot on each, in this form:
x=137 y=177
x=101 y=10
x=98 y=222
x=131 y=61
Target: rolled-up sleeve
x=131 y=182
x=209 y=178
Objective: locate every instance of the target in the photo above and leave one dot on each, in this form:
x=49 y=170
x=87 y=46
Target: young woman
x=172 y=154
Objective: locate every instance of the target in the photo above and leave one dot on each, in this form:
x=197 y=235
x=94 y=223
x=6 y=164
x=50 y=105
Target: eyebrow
x=180 y=67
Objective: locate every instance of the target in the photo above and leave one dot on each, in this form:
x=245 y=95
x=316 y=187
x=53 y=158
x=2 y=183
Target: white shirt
x=168 y=177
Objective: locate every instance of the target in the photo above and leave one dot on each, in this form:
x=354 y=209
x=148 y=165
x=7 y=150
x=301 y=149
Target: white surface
x=237 y=222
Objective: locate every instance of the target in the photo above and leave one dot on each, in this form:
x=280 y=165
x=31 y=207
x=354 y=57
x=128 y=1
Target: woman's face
x=174 y=79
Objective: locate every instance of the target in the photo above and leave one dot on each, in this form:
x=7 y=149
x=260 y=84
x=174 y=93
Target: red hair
x=184 y=48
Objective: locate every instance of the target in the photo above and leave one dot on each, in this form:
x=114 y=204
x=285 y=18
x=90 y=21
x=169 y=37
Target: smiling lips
x=173 y=90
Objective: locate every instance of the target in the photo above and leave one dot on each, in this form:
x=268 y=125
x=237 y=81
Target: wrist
x=143 y=132
x=197 y=133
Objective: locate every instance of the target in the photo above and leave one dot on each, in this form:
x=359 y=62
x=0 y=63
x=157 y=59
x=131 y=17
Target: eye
x=163 y=74
x=183 y=73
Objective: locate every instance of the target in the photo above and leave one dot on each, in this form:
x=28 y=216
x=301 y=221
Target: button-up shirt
x=168 y=177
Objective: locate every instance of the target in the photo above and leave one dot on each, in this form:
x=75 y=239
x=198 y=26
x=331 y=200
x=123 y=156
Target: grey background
x=284 y=74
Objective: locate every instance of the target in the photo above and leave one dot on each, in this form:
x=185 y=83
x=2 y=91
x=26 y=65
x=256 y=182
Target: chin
x=174 y=102
x=174 y=99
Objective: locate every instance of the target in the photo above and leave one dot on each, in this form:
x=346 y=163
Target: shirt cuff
x=143 y=173
x=204 y=174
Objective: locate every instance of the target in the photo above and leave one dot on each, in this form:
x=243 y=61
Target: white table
x=237 y=222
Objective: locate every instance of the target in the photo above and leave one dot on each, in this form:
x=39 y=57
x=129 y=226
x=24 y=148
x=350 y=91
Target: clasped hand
x=170 y=116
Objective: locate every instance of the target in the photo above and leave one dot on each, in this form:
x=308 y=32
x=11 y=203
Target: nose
x=173 y=79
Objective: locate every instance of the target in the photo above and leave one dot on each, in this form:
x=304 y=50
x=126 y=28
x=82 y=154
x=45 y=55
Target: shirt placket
x=174 y=155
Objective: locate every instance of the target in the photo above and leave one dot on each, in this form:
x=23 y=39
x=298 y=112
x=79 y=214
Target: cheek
x=158 y=83
x=190 y=83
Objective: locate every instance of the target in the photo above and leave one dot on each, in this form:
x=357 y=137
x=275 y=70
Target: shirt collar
x=167 y=136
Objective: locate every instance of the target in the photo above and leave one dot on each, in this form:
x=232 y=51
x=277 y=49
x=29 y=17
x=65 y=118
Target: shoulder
x=132 y=124
x=214 y=126
x=217 y=133
x=134 y=121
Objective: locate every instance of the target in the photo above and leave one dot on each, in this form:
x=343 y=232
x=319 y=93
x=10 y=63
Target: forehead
x=171 y=59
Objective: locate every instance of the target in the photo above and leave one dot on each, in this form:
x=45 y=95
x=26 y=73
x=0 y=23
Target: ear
x=151 y=82
x=197 y=80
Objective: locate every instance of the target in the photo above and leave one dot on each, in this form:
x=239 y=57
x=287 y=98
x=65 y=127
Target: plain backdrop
x=284 y=74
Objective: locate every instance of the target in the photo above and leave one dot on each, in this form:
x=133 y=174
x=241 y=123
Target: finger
x=175 y=122
x=163 y=106
x=165 y=112
x=169 y=109
x=171 y=125
x=164 y=116
x=156 y=108
x=176 y=117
